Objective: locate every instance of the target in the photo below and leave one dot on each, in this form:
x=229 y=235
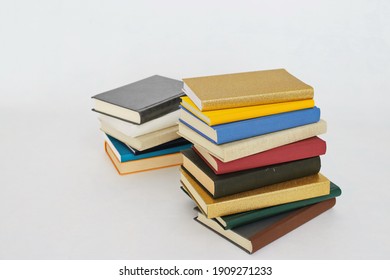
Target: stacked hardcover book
x=254 y=168
x=139 y=122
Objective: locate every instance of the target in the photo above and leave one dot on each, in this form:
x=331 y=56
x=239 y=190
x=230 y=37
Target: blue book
x=123 y=152
x=229 y=132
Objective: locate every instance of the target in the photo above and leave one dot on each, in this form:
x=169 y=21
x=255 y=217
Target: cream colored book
x=289 y=191
x=145 y=141
x=245 y=89
x=242 y=148
x=134 y=130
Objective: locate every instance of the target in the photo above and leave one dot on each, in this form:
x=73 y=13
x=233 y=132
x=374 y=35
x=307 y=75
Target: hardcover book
x=243 y=113
x=123 y=153
x=289 y=191
x=236 y=220
x=134 y=130
x=237 y=182
x=254 y=236
x=246 y=147
x=307 y=148
x=245 y=89
x=141 y=101
x=171 y=144
x=146 y=164
x=145 y=141
x=229 y=132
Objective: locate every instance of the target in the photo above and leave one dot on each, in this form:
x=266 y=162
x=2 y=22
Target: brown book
x=276 y=194
x=146 y=164
x=256 y=235
x=245 y=89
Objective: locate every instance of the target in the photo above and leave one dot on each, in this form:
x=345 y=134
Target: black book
x=174 y=143
x=141 y=101
x=241 y=181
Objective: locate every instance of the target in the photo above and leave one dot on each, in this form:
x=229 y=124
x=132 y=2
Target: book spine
x=245 y=181
x=290 y=223
x=159 y=110
x=242 y=101
x=307 y=148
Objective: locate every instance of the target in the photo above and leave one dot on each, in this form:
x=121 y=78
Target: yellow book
x=245 y=89
x=289 y=191
x=243 y=113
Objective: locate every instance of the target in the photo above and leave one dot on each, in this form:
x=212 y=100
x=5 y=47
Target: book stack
x=139 y=121
x=254 y=168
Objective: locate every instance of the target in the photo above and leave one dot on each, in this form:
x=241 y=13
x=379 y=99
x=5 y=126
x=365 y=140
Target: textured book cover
x=254 y=236
x=237 y=182
x=134 y=130
x=246 y=147
x=245 y=89
x=123 y=153
x=307 y=148
x=229 y=132
x=141 y=101
x=145 y=141
x=289 y=191
x=171 y=144
x=244 y=113
x=140 y=165
x=236 y=220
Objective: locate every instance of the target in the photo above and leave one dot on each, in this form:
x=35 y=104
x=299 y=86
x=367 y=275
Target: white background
x=61 y=198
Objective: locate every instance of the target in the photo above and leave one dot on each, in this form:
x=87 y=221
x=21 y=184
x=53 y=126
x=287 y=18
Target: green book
x=236 y=220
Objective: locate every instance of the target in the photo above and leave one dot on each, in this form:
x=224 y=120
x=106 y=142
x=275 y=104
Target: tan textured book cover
x=145 y=141
x=245 y=89
x=146 y=164
x=242 y=148
x=289 y=191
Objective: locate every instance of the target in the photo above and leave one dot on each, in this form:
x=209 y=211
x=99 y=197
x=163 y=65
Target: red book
x=307 y=148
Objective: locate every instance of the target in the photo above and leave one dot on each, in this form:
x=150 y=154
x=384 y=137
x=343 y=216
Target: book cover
x=229 y=132
x=134 y=130
x=227 y=184
x=243 y=113
x=256 y=235
x=307 y=148
x=145 y=141
x=236 y=220
x=140 y=165
x=171 y=144
x=245 y=89
x=246 y=147
x=123 y=153
x=141 y=101
x=289 y=191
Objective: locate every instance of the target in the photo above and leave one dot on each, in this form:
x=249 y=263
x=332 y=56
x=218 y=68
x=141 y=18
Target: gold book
x=289 y=191
x=245 y=89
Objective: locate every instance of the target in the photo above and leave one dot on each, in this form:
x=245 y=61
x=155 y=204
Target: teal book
x=124 y=153
x=236 y=220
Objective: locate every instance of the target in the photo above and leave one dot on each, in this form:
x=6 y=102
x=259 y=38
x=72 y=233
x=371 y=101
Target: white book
x=145 y=141
x=134 y=130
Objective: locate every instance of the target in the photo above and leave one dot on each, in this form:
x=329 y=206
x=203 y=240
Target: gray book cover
x=152 y=97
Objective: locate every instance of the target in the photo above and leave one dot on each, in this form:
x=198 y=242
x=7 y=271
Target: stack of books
x=139 y=121
x=254 y=168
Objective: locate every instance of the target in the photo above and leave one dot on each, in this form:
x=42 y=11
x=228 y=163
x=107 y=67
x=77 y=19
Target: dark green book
x=236 y=220
x=246 y=180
